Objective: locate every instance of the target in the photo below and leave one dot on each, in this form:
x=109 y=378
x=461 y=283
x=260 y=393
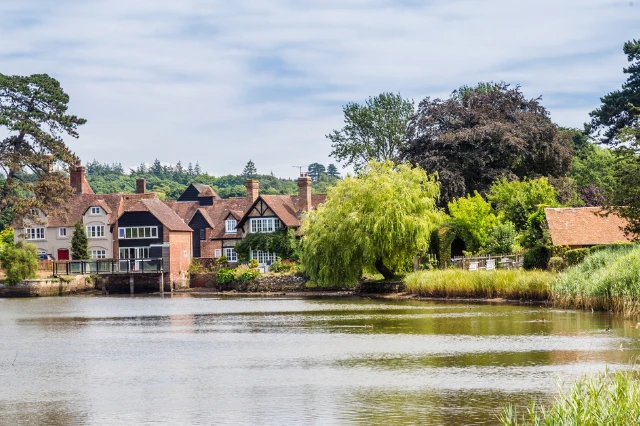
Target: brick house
x=584 y=227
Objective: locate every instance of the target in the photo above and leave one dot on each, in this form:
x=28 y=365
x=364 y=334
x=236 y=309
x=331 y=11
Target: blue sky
x=223 y=82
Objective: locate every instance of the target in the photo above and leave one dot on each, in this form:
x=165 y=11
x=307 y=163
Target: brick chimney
x=141 y=186
x=253 y=189
x=78 y=181
x=304 y=192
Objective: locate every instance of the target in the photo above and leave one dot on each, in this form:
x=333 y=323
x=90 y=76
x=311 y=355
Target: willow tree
x=33 y=115
x=377 y=220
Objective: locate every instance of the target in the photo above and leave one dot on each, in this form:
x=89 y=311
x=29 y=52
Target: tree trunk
x=386 y=272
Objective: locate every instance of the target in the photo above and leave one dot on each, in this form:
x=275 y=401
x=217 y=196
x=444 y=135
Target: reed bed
x=506 y=284
x=602 y=399
x=608 y=280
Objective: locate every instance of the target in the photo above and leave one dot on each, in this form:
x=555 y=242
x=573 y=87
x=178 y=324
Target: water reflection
x=196 y=360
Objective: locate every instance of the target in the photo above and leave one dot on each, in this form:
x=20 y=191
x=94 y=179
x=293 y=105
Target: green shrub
x=557 y=264
x=224 y=276
x=195 y=267
x=244 y=274
x=577 y=256
x=284 y=266
x=596 y=249
x=502 y=238
x=536 y=258
x=253 y=263
x=602 y=399
x=20 y=262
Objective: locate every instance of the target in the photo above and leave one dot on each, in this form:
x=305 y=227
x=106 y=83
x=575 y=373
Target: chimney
x=50 y=164
x=253 y=189
x=76 y=178
x=141 y=186
x=304 y=191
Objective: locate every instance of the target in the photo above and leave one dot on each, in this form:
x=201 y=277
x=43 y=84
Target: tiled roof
x=288 y=208
x=162 y=212
x=215 y=215
x=207 y=192
x=584 y=226
x=79 y=204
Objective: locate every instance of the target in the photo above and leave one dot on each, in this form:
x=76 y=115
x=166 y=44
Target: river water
x=205 y=360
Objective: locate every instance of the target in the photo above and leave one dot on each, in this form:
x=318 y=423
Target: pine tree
x=250 y=170
x=197 y=171
x=332 y=171
x=79 y=243
x=315 y=170
x=156 y=168
x=190 y=170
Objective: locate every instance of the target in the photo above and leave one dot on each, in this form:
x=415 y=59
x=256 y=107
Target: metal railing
x=108 y=266
x=507 y=261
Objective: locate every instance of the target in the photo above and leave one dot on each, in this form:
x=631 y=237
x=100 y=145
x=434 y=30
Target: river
x=186 y=359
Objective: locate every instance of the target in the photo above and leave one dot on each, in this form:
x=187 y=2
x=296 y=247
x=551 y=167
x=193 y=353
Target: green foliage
x=79 y=243
x=315 y=171
x=244 y=273
x=33 y=122
x=20 y=262
x=283 y=243
x=601 y=400
x=378 y=220
x=616 y=111
x=577 y=256
x=224 y=276
x=475 y=215
x=598 y=248
x=195 y=267
x=480 y=134
x=593 y=165
x=502 y=238
x=332 y=171
x=253 y=263
x=537 y=230
x=557 y=264
x=518 y=199
x=249 y=171
x=508 y=284
x=443 y=238
x=6 y=237
x=536 y=257
x=373 y=131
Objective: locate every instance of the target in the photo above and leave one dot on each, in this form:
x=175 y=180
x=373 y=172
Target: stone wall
x=48 y=287
x=269 y=283
x=375 y=287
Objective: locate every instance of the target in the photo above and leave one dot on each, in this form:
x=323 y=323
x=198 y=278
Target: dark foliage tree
x=479 y=135
x=332 y=171
x=197 y=170
x=79 y=243
x=315 y=170
x=33 y=112
x=190 y=171
x=250 y=170
x=375 y=130
x=616 y=111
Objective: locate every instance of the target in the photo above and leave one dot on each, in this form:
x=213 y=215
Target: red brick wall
x=180 y=242
x=208 y=247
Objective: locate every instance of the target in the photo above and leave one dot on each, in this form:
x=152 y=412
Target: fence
x=45 y=265
x=508 y=261
x=108 y=266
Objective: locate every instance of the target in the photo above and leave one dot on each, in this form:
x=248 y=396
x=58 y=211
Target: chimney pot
x=253 y=189
x=77 y=180
x=141 y=186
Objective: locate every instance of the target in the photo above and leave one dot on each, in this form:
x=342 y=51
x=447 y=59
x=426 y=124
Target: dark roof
x=162 y=212
x=584 y=226
x=215 y=215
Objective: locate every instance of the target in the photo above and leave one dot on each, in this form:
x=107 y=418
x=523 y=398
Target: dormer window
x=34 y=212
x=95 y=211
x=230 y=226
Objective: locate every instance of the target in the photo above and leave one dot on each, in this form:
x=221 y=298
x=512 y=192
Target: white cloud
x=222 y=82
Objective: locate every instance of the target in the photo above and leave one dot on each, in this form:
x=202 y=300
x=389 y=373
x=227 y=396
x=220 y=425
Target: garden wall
x=264 y=284
x=48 y=287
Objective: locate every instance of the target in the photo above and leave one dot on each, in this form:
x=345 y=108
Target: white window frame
x=264 y=225
x=62 y=232
x=35 y=233
x=140 y=252
x=230 y=226
x=217 y=253
x=263 y=257
x=98 y=254
x=134 y=232
x=95 y=211
x=34 y=212
x=95 y=231
x=230 y=254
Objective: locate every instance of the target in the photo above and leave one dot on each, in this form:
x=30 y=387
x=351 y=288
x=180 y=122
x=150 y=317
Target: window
x=34 y=233
x=62 y=232
x=203 y=234
x=217 y=253
x=230 y=226
x=95 y=231
x=264 y=225
x=34 y=212
x=230 y=254
x=98 y=254
x=263 y=257
x=95 y=210
x=137 y=232
x=134 y=253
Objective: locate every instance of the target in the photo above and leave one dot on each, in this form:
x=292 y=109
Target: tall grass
x=603 y=399
x=507 y=284
x=606 y=280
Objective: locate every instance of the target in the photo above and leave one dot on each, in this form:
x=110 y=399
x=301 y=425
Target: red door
x=63 y=254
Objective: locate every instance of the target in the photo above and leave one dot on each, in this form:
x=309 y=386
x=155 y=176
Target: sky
x=222 y=82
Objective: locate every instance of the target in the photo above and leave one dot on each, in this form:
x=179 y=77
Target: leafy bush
x=577 y=256
x=195 y=267
x=244 y=274
x=502 y=238
x=557 y=264
x=536 y=258
x=596 y=249
x=253 y=263
x=283 y=266
x=20 y=262
x=6 y=237
x=475 y=215
x=224 y=276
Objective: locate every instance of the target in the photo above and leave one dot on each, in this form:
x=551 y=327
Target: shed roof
x=585 y=226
